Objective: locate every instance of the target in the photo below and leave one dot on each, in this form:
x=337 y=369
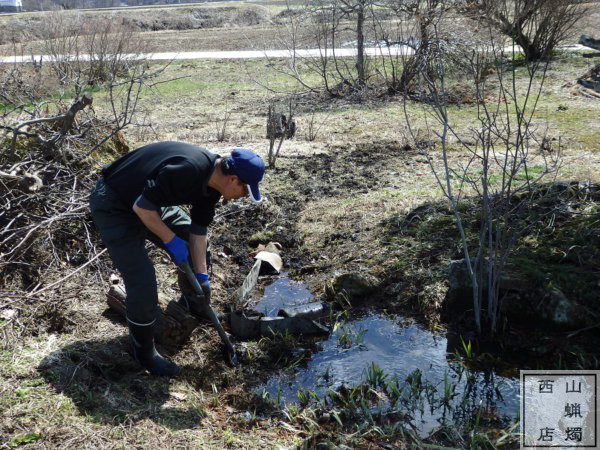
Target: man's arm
x=198 y=251
x=154 y=223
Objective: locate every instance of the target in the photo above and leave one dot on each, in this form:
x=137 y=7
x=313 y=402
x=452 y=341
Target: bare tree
x=537 y=26
x=358 y=10
x=111 y=47
x=87 y=51
x=124 y=99
x=61 y=44
x=412 y=30
x=501 y=147
x=324 y=26
x=398 y=30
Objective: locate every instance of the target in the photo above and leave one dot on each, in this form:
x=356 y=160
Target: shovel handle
x=187 y=269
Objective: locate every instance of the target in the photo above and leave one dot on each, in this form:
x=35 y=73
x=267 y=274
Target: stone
x=314 y=310
x=522 y=302
x=460 y=288
x=460 y=291
x=561 y=312
x=356 y=286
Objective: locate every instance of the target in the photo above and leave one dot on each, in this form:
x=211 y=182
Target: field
x=351 y=192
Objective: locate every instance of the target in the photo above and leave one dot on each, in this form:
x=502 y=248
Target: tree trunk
x=360 y=45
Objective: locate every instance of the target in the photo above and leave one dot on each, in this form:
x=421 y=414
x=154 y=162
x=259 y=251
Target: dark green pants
x=124 y=235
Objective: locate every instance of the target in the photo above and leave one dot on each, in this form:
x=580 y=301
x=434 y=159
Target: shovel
x=232 y=357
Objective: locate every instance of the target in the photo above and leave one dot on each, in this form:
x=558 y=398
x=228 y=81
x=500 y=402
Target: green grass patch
x=21 y=439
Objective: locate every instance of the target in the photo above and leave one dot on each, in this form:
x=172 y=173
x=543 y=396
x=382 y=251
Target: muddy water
x=398 y=346
x=282 y=292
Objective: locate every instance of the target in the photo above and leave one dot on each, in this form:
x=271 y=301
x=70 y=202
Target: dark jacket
x=167 y=174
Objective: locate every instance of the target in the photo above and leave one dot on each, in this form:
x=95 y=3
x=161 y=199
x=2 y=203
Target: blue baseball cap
x=250 y=168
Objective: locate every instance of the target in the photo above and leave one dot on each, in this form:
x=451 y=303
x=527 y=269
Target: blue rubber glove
x=178 y=248
x=204 y=284
x=202 y=277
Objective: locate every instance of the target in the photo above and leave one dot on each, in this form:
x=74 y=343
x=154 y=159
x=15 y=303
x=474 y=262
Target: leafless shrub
x=111 y=47
x=412 y=34
x=395 y=33
x=320 y=24
x=498 y=173
x=209 y=19
x=252 y=15
x=15 y=31
x=221 y=124
x=286 y=14
x=123 y=99
x=89 y=51
x=144 y=129
x=124 y=76
x=61 y=44
x=537 y=26
x=313 y=127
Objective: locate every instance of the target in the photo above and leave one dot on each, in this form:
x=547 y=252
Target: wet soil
x=358 y=242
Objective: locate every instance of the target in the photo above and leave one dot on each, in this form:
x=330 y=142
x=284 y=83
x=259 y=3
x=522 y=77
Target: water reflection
x=399 y=347
x=280 y=293
x=403 y=349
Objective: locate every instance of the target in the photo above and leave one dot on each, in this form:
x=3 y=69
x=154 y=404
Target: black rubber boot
x=144 y=352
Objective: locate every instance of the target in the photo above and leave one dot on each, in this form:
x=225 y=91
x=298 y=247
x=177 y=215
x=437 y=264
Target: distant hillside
x=44 y=5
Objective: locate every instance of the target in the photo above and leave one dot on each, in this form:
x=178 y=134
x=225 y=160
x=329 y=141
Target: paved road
x=243 y=54
x=254 y=54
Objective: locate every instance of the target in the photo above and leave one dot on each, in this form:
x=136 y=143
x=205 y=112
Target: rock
x=325 y=418
x=522 y=302
x=314 y=310
x=551 y=309
x=561 y=312
x=460 y=292
x=356 y=286
x=460 y=289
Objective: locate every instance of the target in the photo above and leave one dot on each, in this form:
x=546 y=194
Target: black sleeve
x=202 y=214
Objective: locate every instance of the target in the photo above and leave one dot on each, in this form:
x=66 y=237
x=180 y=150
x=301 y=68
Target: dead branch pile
x=45 y=179
x=52 y=143
x=40 y=229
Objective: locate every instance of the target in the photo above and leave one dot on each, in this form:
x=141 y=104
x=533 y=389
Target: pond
x=401 y=351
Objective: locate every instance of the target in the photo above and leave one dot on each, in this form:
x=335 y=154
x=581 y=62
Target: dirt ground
x=336 y=203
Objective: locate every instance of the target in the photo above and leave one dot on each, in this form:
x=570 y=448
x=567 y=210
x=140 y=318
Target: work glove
x=204 y=284
x=178 y=249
